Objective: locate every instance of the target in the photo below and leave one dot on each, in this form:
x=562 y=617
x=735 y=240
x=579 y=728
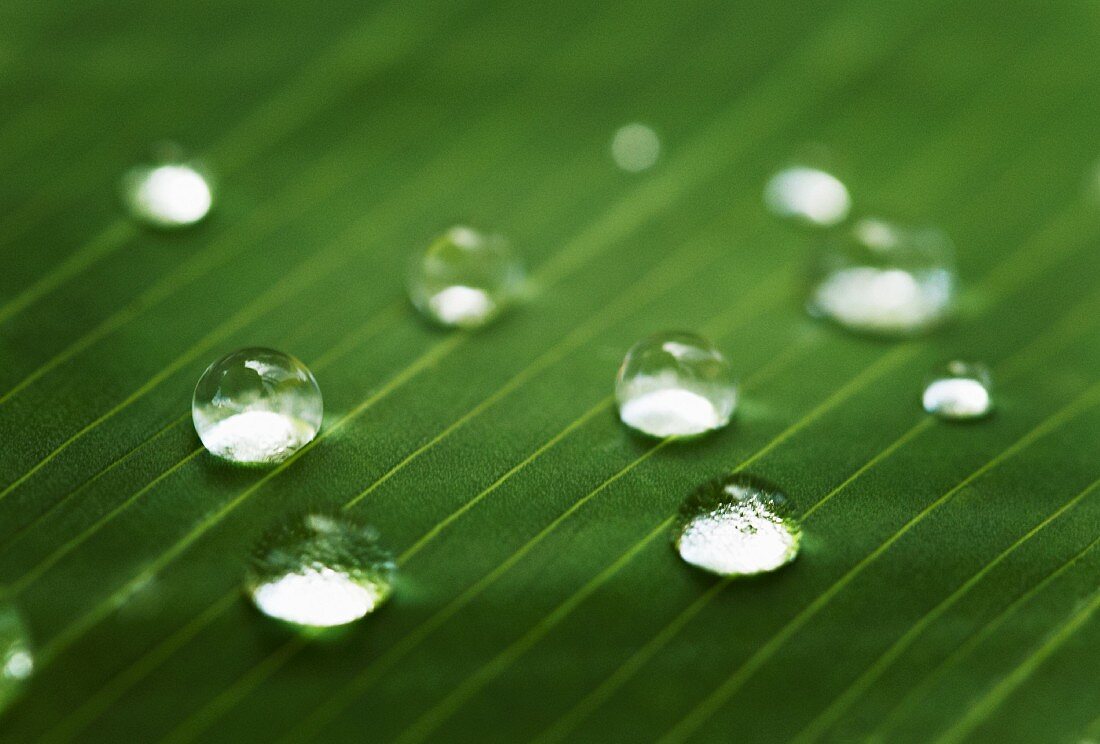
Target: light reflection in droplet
x=675 y=384
x=464 y=278
x=169 y=195
x=320 y=571
x=16 y=657
x=808 y=195
x=884 y=279
x=462 y=306
x=635 y=147
x=961 y=391
x=737 y=526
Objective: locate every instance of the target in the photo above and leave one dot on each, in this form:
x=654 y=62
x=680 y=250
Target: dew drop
x=808 y=196
x=635 y=147
x=959 y=391
x=319 y=571
x=464 y=278
x=885 y=279
x=16 y=657
x=737 y=525
x=256 y=406
x=170 y=193
x=674 y=385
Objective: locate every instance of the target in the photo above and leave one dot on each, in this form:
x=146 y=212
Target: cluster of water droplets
x=259 y=406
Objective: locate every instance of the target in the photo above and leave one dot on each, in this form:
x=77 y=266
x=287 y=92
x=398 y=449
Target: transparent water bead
x=808 y=196
x=464 y=278
x=320 y=571
x=256 y=406
x=170 y=193
x=635 y=147
x=738 y=525
x=16 y=658
x=885 y=279
x=675 y=385
x=959 y=391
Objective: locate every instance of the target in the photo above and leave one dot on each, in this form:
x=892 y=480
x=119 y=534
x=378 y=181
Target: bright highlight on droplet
x=808 y=195
x=884 y=279
x=959 y=392
x=675 y=385
x=737 y=526
x=256 y=406
x=635 y=147
x=167 y=195
x=464 y=278
x=320 y=571
x=16 y=657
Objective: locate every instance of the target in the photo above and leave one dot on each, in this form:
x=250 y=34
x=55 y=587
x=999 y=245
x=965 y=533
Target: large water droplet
x=16 y=658
x=675 y=384
x=256 y=406
x=738 y=525
x=808 y=196
x=959 y=391
x=464 y=278
x=635 y=147
x=885 y=279
x=169 y=193
x=320 y=571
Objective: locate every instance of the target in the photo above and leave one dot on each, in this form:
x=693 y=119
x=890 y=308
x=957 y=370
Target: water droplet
x=635 y=147
x=675 y=384
x=320 y=571
x=808 y=196
x=464 y=278
x=885 y=279
x=169 y=193
x=960 y=391
x=16 y=658
x=256 y=406
x=738 y=525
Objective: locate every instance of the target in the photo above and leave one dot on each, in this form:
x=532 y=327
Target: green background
x=948 y=581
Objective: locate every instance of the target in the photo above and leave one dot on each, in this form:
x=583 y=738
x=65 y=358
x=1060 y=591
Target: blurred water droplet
x=885 y=279
x=675 y=384
x=16 y=657
x=635 y=147
x=170 y=193
x=959 y=391
x=320 y=571
x=737 y=525
x=464 y=278
x=256 y=406
x=808 y=196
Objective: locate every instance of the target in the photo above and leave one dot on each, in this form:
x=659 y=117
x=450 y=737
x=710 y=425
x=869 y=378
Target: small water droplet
x=737 y=525
x=959 y=391
x=464 y=278
x=256 y=406
x=885 y=279
x=320 y=571
x=16 y=657
x=635 y=147
x=675 y=384
x=169 y=193
x=808 y=196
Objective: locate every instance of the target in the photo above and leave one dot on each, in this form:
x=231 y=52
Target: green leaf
x=947 y=586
